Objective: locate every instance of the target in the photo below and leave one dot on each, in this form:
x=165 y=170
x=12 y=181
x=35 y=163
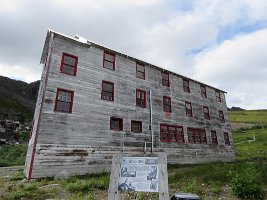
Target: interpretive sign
x=139 y=174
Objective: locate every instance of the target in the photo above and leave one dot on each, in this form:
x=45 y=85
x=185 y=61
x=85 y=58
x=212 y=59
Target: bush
x=246 y=182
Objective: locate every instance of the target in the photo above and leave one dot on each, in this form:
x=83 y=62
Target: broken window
x=186 y=85
x=196 y=135
x=140 y=98
x=140 y=71
x=167 y=104
x=214 y=137
x=109 y=60
x=116 y=124
x=165 y=79
x=107 y=91
x=64 y=101
x=171 y=133
x=69 y=64
x=188 y=109
x=136 y=126
x=226 y=138
x=206 y=112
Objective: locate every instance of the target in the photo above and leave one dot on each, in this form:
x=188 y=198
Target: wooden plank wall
x=82 y=141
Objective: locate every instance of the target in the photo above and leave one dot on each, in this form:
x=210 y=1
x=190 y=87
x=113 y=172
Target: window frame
x=120 y=123
x=226 y=138
x=139 y=123
x=56 y=100
x=73 y=66
x=203 y=91
x=206 y=114
x=176 y=134
x=143 y=73
x=186 y=88
x=218 y=96
x=165 y=82
x=136 y=98
x=214 y=138
x=104 y=60
x=197 y=132
x=190 y=114
x=107 y=82
x=221 y=116
x=169 y=105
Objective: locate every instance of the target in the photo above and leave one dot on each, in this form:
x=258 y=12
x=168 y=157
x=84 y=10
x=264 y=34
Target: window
x=64 y=101
x=218 y=96
x=140 y=98
x=206 y=112
x=167 y=104
x=109 y=60
x=214 y=137
x=186 y=85
x=188 y=109
x=69 y=64
x=203 y=91
x=116 y=124
x=165 y=79
x=171 y=133
x=221 y=116
x=140 y=71
x=226 y=138
x=196 y=135
x=136 y=126
x=107 y=91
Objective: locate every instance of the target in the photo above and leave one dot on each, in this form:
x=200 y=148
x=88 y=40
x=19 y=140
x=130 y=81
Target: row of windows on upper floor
x=172 y=133
x=69 y=65
x=64 y=101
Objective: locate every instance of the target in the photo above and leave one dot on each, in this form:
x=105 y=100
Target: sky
x=217 y=42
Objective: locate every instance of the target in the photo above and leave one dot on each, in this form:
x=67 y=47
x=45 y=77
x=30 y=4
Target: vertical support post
x=151 y=120
x=163 y=177
x=113 y=192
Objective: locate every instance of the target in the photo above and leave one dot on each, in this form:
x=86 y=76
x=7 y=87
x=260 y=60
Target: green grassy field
x=210 y=181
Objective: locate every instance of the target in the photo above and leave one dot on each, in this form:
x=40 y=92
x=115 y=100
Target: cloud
x=237 y=66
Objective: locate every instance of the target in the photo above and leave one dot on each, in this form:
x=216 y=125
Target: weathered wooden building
x=94 y=101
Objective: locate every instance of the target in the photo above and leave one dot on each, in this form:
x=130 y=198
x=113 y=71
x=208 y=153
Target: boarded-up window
x=140 y=98
x=186 y=85
x=203 y=91
x=136 y=126
x=165 y=79
x=109 y=60
x=188 y=109
x=214 y=137
x=196 y=135
x=167 y=104
x=64 y=101
x=107 y=91
x=171 y=133
x=140 y=71
x=221 y=116
x=69 y=64
x=206 y=112
x=226 y=138
x=116 y=124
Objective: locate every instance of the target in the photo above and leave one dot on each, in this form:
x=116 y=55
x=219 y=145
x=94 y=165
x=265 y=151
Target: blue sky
x=222 y=43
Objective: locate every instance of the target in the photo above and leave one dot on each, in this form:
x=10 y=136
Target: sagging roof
x=85 y=42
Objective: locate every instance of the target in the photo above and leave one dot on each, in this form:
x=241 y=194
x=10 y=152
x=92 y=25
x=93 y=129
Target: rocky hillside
x=17 y=97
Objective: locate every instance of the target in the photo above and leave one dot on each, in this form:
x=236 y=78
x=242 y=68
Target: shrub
x=246 y=182
x=17 y=176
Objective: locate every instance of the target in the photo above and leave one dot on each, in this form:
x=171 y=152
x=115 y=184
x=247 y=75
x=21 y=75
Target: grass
x=249 y=116
x=12 y=155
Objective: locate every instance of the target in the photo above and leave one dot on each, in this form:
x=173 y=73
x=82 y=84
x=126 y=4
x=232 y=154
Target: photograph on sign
x=139 y=174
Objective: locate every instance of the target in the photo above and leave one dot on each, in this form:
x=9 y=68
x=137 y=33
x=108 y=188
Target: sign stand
x=113 y=192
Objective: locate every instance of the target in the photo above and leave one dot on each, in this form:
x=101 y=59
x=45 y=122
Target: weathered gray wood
x=163 y=177
x=113 y=192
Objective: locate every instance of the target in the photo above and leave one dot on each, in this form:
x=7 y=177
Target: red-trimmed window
x=109 y=60
x=165 y=79
x=140 y=71
x=64 y=101
x=206 y=112
x=226 y=138
x=107 y=91
x=116 y=124
x=196 y=135
x=167 y=107
x=214 y=137
x=188 y=109
x=186 y=85
x=221 y=116
x=171 y=133
x=218 y=96
x=203 y=91
x=136 y=126
x=69 y=64
x=140 y=98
